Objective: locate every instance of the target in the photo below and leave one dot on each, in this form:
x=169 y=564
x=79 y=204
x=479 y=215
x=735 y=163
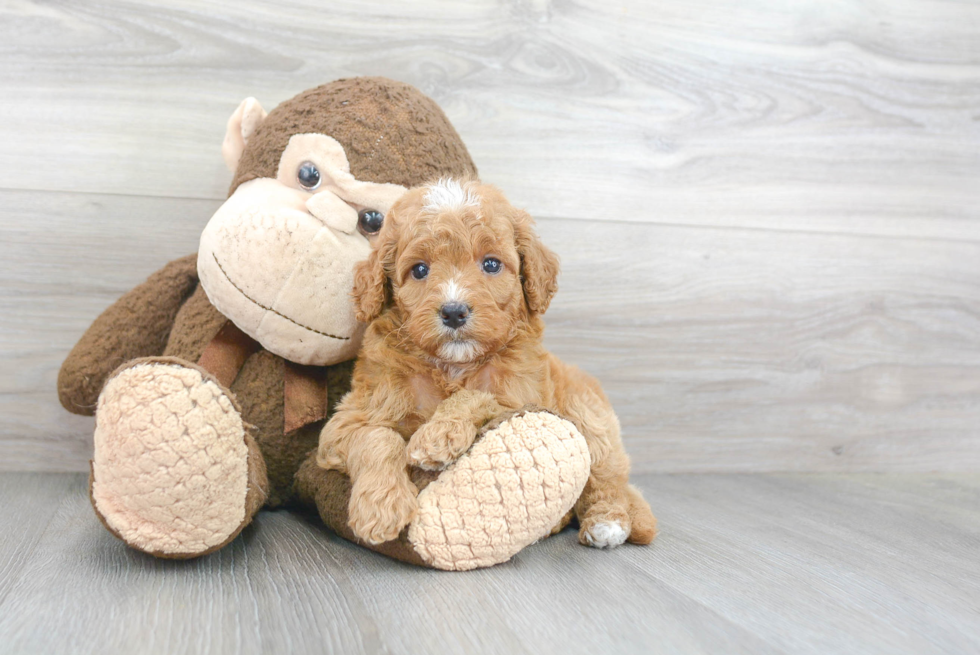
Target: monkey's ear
x=240 y=127
x=539 y=265
x=372 y=291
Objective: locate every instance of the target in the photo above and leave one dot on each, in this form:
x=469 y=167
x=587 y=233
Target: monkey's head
x=313 y=181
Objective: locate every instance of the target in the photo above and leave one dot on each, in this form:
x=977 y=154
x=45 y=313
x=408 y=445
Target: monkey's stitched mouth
x=270 y=309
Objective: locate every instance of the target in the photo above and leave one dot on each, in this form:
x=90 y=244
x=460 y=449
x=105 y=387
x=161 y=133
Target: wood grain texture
x=753 y=564
x=721 y=349
x=768 y=350
x=832 y=116
x=767 y=213
x=66 y=257
x=31 y=504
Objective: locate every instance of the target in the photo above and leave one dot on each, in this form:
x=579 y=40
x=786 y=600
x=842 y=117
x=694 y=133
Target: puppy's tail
x=644 y=523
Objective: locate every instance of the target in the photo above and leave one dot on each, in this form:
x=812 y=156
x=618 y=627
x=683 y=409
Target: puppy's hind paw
x=604 y=531
x=603 y=535
x=438 y=443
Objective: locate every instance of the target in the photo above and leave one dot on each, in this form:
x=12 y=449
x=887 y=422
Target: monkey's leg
x=175 y=473
x=136 y=325
x=511 y=488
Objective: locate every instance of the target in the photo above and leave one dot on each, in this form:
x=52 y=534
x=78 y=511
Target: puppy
x=455 y=286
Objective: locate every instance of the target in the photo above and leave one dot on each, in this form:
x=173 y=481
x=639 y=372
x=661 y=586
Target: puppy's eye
x=369 y=221
x=492 y=265
x=420 y=271
x=308 y=175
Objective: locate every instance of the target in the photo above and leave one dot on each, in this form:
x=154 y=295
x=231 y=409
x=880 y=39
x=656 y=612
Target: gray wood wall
x=768 y=212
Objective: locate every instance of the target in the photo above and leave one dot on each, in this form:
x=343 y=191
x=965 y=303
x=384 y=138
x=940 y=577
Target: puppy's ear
x=372 y=290
x=539 y=266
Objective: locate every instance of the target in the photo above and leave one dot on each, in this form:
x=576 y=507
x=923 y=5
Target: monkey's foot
x=512 y=488
x=175 y=473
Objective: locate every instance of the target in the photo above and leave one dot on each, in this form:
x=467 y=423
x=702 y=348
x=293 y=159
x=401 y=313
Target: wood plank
x=837 y=116
x=64 y=258
x=753 y=350
x=826 y=563
x=744 y=564
x=722 y=349
x=30 y=504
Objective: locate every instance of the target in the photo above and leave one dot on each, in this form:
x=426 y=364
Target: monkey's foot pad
x=170 y=471
x=509 y=490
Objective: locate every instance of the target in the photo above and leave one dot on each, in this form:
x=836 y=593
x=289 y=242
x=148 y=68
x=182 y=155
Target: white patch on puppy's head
x=453 y=291
x=449 y=194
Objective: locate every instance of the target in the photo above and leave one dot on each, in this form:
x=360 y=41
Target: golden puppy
x=455 y=287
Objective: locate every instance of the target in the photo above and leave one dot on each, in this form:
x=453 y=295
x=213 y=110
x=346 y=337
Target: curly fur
x=420 y=382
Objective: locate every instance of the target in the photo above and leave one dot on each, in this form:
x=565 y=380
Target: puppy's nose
x=454 y=314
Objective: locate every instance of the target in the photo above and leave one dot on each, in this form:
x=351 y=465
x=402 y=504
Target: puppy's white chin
x=459 y=352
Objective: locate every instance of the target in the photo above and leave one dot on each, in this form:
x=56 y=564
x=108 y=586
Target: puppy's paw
x=378 y=510
x=438 y=443
x=606 y=530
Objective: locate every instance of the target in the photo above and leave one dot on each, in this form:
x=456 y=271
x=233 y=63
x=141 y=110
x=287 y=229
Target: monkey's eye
x=492 y=265
x=420 y=271
x=308 y=175
x=369 y=221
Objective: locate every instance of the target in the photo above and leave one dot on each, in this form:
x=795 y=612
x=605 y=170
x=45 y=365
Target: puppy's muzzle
x=454 y=314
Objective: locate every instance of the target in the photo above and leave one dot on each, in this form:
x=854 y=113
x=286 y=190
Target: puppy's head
x=463 y=268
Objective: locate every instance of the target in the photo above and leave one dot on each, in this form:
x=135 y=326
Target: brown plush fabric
x=225 y=355
x=195 y=326
x=305 y=387
x=136 y=325
x=305 y=395
x=329 y=492
x=392 y=133
x=258 y=481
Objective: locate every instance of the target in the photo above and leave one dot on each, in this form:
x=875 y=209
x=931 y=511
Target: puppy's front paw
x=605 y=530
x=378 y=510
x=438 y=443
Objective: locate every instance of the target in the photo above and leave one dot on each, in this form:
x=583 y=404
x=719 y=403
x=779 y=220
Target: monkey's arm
x=136 y=325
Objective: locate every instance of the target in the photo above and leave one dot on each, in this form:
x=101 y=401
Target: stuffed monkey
x=210 y=382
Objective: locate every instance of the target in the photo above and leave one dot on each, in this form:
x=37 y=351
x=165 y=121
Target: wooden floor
x=754 y=564
x=768 y=215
